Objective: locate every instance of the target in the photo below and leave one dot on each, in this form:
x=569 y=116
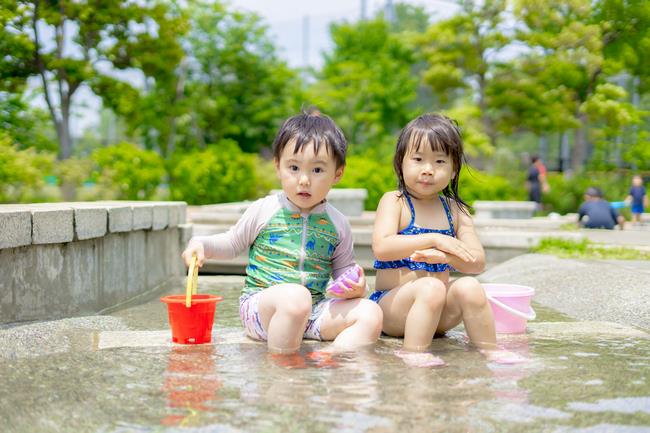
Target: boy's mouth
x=304 y=195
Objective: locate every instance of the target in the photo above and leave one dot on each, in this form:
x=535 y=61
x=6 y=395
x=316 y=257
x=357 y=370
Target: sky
x=286 y=20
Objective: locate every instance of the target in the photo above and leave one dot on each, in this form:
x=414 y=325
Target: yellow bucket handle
x=191 y=286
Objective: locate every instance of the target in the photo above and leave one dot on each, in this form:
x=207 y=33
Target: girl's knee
x=430 y=291
x=296 y=301
x=469 y=292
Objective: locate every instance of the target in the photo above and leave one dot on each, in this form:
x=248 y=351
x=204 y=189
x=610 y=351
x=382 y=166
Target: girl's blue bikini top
x=413 y=229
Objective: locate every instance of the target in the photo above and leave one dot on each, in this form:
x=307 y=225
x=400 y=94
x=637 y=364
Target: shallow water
x=68 y=383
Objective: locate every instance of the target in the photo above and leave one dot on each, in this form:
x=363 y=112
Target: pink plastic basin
x=510 y=306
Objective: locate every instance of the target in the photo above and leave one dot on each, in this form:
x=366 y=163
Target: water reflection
x=190 y=382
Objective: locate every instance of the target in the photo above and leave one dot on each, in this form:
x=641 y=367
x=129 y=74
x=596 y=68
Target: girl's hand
x=351 y=289
x=194 y=248
x=430 y=255
x=453 y=246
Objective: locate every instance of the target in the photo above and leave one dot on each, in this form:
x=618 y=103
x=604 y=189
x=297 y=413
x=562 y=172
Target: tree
x=366 y=82
x=230 y=85
x=460 y=53
x=68 y=44
x=568 y=58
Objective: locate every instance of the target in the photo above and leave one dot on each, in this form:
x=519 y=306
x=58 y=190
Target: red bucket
x=191 y=325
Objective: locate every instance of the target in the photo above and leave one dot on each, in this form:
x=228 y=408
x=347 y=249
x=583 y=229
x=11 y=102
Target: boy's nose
x=303 y=179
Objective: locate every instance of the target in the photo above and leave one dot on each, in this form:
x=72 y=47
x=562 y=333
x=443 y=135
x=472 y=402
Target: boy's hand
x=355 y=289
x=194 y=248
x=430 y=255
x=453 y=246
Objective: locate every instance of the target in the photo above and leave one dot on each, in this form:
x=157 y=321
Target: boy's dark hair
x=442 y=134
x=311 y=126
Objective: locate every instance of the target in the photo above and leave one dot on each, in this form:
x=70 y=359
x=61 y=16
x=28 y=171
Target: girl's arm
x=388 y=245
x=467 y=235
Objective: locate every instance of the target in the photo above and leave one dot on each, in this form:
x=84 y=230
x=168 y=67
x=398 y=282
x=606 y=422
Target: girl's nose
x=427 y=169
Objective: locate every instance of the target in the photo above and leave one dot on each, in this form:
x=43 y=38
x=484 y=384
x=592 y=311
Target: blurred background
x=180 y=100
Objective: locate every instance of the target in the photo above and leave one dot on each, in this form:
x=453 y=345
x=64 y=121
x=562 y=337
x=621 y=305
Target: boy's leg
x=284 y=310
x=351 y=323
x=466 y=301
x=413 y=311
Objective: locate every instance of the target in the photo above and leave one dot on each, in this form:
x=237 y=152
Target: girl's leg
x=284 y=310
x=466 y=301
x=351 y=323
x=413 y=310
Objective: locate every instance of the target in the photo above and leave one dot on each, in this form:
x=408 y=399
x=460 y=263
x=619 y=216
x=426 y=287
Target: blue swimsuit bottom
x=413 y=229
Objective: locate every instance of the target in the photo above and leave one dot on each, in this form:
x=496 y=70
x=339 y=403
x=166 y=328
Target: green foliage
x=376 y=176
x=21 y=172
x=476 y=185
x=585 y=249
x=128 y=172
x=220 y=173
x=27 y=126
x=365 y=83
x=567 y=194
x=638 y=154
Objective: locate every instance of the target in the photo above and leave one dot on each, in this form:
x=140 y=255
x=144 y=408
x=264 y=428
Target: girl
x=421 y=232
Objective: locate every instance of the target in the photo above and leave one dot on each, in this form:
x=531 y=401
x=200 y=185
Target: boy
x=638 y=199
x=296 y=241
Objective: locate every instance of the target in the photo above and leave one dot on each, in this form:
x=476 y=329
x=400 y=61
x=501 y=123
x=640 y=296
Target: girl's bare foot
x=420 y=359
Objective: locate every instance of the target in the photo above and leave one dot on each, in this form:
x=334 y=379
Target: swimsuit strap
x=448 y=212
x=408 y=199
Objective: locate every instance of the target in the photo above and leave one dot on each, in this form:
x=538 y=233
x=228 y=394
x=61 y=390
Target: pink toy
x=351 y=274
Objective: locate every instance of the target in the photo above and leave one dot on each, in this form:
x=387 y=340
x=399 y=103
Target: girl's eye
x=441 y=161
x=417 y=158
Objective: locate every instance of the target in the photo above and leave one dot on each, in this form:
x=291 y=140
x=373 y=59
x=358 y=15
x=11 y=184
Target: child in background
x=421 y=231
x=296 y=243
x=597 y=213
x=637 y=199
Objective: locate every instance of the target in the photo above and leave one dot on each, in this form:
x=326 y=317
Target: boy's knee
x=371 y=315
x=430 y=291
x=297 y=302
x=470 y=292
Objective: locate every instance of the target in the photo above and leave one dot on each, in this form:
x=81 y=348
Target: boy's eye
x=293 y=167
x=318 y=170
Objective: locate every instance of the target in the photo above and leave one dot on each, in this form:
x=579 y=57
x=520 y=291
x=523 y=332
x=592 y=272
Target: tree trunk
x=488 y=127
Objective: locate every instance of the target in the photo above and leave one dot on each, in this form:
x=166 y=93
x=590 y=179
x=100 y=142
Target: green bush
x=22 y=173
x=221 y=173
x=567 y=194
x=585 y=249
x=127 y=172
x=365 y=172
x=476 y=185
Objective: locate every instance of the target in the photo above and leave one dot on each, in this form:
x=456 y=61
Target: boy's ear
x=339 y=174
x=276 y=162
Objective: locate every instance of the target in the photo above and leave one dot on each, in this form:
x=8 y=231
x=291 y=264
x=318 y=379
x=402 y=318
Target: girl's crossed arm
x=388 y=245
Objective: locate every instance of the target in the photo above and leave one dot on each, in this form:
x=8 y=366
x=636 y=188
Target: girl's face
x=426 y=172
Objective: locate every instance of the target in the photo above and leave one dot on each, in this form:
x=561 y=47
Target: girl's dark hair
x=442 y=134
x=311 y=126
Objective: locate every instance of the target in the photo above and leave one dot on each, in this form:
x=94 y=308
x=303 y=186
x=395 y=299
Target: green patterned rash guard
x=286 y=246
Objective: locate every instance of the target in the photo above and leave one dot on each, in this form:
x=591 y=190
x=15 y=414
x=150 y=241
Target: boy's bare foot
x=420 y=359
x=290 y=360
x=322 y=359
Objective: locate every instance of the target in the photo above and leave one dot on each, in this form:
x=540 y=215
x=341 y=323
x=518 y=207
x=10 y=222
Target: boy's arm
x=388 y=245
x=237 y=239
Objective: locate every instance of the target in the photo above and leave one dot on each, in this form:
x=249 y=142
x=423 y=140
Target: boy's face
x=307 y=177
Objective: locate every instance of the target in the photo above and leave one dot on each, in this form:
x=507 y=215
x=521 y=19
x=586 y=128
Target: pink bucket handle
x=530 y=316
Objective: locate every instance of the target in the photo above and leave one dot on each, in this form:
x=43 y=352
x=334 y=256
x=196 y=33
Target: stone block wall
x=67 y=259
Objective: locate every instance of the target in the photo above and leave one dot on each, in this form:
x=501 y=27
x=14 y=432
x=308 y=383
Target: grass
x=585 y=249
